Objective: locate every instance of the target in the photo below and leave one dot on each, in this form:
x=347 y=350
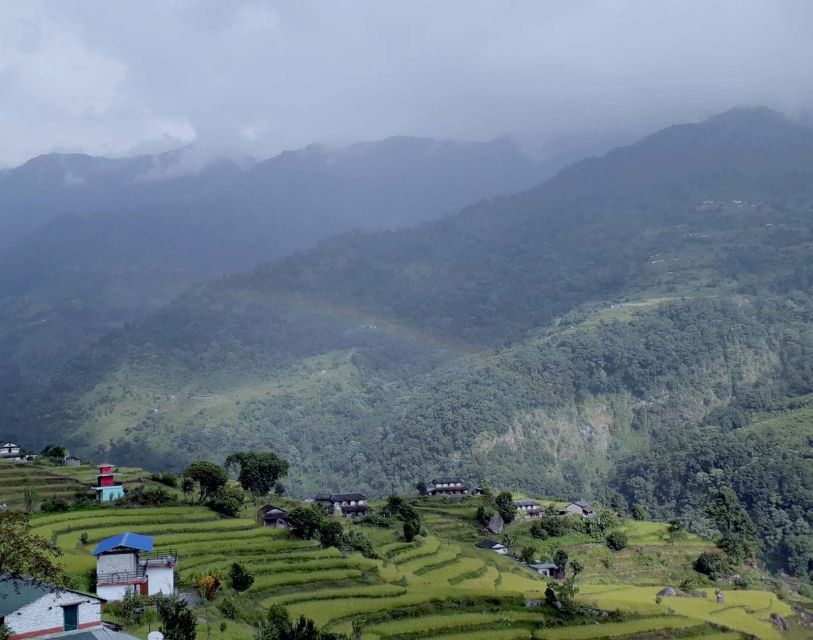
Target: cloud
x=259 y=76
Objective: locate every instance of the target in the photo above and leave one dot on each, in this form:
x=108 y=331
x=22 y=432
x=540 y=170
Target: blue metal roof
x=127 y=540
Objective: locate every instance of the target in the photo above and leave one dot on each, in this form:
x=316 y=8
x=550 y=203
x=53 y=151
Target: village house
x=578 y=508
x=32 y=610
x=71 y=461
x=549 y=570
x=9 y=450
x=490 y=545
x=449 y=487
x=126 y=562
x=271 y=516
x=106 y=487
x=349 y=505
x=529 y=509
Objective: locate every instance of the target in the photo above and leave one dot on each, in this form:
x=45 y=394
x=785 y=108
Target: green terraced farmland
x=439 y=586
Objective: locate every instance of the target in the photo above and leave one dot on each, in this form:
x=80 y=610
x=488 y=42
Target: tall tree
x=505 y=505
x=258 y=471
x=209 y=477
x=25 y=554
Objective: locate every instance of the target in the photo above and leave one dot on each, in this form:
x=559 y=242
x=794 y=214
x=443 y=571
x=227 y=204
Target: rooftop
x=124 y=540
x=17 y=593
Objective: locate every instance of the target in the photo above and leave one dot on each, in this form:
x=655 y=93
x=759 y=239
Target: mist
x=256 y=77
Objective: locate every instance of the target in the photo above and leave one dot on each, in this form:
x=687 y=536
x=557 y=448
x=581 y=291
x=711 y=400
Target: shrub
x=5 y=632
x=538 y=531
x=229 y=607
x=616 y=540
x=712 y=563
x=411 y=529
x=228 y=500
x=148 y=496
x=84 y=538
x=305 y=522
x=166 y=477
x=331 y=534
x=55 y=505
x=178 y=621
x=638 y=512
x=527 y=555
x=208 y=585
x=241 y=578
x=505 y=505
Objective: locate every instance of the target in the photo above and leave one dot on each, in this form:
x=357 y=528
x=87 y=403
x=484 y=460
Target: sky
x=255 y=77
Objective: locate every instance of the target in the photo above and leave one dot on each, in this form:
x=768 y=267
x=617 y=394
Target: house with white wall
x=127 y=562
x=9 y=450
x=31 y=610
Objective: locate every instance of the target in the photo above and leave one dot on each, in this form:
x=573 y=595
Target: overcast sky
x=259 y=76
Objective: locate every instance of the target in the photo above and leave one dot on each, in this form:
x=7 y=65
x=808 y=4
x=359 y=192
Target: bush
x=228 y=500
x=84 y=538
x=527 y=554
x=241 y=578
x=638 y=512
x=55 y=505
x=305 y=522
x=617 y=540
x=229 y=607
x=167 y=477
x=411 y=529
x=538 y=531
x=331 y=534
x=712 y=563
x=148 y=496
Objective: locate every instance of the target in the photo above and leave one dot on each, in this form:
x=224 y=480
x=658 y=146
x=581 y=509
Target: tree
x=187 y=486
x=527 y=554
x=241 y=578
x=305 y=522
x=31 y=499
x=275 y=625
x=331 y=534
x=616 y=540
x=412 y=528
x=5 y=632
x=178 y=621
x=422 y=488
x=738 y=531
x=505 y=505
x=560 y=558
x=712 y=563
x=26 y=555
x=258 y=471
x=675 y=530
x=227 y=500
x=538 y=531
x=208 y=476
x=54 y=453
x=482 y=516
x=638 y=512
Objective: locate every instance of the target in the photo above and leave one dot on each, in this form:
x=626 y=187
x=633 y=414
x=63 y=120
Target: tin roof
x=125 y=540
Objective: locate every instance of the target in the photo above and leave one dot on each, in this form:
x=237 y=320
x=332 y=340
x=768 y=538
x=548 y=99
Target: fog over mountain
x=256 y=77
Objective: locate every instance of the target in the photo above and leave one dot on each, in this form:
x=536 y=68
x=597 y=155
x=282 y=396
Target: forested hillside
x=588 y=336
x=89 y=243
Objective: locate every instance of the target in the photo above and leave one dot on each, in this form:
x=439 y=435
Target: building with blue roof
x=128 y=562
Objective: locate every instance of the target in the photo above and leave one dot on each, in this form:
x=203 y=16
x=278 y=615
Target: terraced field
x=52 y=481
x=439 y=586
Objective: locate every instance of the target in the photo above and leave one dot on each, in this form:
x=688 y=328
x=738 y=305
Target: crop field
x=439 y=586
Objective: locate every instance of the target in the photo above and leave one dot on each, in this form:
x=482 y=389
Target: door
x=71 y=617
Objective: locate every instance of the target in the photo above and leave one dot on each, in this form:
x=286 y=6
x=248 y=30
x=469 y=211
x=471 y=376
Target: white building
x=127 y=562
x=31 y=610
x=9 y=450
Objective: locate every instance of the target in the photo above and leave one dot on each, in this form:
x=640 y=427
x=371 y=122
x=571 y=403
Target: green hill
x=553 y=339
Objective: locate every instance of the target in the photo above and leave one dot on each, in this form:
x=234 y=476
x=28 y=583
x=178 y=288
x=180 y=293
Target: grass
x=433 y=587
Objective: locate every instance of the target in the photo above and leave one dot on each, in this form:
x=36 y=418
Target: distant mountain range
x=88 y=243
x=640 y=324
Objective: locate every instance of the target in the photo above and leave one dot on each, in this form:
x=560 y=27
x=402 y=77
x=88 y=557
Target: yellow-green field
x=439 y=586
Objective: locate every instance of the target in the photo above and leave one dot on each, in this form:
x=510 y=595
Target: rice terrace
x=439 y=585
